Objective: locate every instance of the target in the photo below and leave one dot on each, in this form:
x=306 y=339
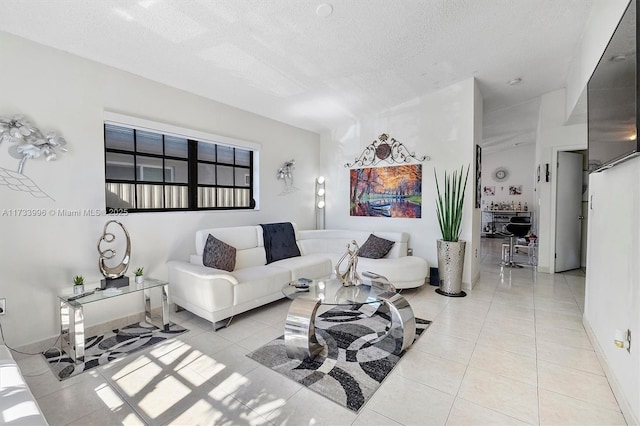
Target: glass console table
x=72 y=338
x=299 y=331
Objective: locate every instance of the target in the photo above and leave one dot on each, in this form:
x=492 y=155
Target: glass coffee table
x=299 y=331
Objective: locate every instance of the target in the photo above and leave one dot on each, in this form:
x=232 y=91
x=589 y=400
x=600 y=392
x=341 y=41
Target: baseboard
x=625 y=407
x=93 y=330
x=34 y=348
x=475 y=280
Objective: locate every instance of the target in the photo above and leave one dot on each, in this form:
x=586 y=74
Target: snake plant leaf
x=450 y=203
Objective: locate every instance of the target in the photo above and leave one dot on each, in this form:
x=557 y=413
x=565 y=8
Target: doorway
x=571 y=210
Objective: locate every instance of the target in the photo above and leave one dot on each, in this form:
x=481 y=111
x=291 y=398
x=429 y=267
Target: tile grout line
x=535 y=339
x=475 y=344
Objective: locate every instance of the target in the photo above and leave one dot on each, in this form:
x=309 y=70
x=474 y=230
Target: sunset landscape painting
x=394 y=191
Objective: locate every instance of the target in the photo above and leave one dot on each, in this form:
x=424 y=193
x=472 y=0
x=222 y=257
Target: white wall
x=613 y=277
x=520 y=164
x=603 y=20
x=553 y=136
x=476 y=225
x=443 y=125
x=612 y=298
x=67 y=94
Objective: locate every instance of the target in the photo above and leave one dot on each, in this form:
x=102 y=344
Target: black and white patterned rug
x=102 y=349
x=350 y=368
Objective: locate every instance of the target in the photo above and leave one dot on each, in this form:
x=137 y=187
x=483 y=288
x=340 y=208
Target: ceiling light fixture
x=324 y=9
x=618 y=58
x=515 y=81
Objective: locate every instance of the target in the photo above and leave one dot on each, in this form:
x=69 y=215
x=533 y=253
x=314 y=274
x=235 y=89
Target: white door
x=568 y=211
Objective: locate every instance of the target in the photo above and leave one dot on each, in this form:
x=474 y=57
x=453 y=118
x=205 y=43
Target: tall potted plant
x=450 y=250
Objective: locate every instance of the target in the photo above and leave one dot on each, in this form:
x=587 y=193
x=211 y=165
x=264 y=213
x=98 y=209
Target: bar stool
x=517 y=228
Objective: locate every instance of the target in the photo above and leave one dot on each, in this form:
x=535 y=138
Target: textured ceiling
x=279 y=59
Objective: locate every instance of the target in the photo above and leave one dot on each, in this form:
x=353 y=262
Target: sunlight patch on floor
x=109 y=397
x=164 y=395
x=136 y=381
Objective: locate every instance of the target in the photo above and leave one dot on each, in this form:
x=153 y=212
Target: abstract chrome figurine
x=120 y=269
x=350 y=275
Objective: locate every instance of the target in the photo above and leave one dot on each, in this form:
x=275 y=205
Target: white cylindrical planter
x=450 y=267
x=78 y=289
x=139 y=279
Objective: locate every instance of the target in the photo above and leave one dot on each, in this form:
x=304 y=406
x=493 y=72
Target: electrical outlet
x=3 y=306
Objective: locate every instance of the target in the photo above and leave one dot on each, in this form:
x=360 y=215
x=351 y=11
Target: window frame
x=193 y=137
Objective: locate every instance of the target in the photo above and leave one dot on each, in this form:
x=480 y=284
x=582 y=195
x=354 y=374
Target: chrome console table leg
x=299 y=331
x=402 y=317
x=162 y=322
x=72 y=331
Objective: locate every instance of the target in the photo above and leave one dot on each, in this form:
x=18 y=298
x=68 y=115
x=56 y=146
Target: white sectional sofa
x=216 y=294
x=401 y=270
x=17 y=404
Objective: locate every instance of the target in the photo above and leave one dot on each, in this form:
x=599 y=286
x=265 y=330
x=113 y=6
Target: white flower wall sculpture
x=27 y=142
x=285 y=173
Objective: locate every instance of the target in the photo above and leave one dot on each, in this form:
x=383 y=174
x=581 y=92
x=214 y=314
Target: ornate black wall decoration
x=391 y=151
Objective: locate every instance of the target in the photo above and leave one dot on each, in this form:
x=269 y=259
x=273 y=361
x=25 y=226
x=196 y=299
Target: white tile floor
x=513 y=352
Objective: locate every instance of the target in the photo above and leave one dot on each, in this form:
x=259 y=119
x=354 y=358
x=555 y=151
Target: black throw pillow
x=279 y=241
x=218 y=254
x=375 y=247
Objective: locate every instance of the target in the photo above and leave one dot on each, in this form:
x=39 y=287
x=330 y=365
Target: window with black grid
x=152 y=171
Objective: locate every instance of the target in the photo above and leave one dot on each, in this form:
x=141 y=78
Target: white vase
x=139 y=279
x=450 y=266
x=78 y=289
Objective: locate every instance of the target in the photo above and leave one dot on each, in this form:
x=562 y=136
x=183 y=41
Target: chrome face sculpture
x=120 y=269
x=350 y=275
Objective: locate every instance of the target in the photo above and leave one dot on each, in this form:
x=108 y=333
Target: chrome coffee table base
x=402 y=317
x=299 y=331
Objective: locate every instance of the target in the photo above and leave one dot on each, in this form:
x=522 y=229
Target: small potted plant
x=139 y=276
x=78 y=284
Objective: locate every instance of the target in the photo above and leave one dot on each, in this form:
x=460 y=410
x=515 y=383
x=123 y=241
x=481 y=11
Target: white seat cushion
x=398 y=270
x=257 y=282
x=311 y=266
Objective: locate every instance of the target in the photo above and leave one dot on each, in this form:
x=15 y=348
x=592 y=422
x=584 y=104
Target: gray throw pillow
x=218 y=254
x=375 y=247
